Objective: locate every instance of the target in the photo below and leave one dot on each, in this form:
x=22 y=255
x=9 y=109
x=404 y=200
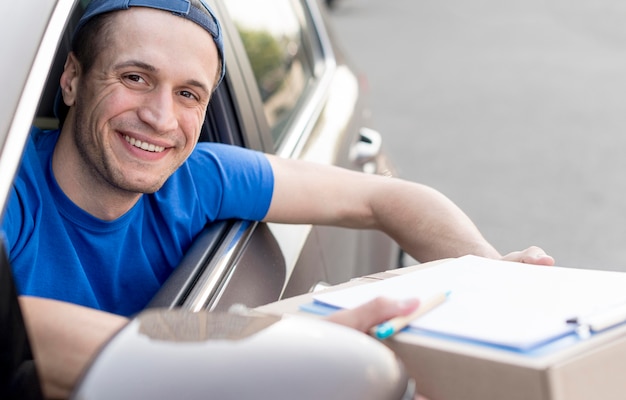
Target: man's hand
x=532 y=255
x=372 y=313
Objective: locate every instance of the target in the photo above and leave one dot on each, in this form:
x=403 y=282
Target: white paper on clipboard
x=496 y=302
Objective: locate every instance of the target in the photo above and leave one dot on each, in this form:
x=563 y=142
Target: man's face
x=138 y=112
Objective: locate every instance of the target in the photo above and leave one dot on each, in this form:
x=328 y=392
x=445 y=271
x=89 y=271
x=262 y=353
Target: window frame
x=317 y=45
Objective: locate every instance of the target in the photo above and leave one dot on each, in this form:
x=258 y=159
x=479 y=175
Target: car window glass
x=274 y=35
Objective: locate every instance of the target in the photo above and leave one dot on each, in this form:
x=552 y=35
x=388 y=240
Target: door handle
x=367 y=148
x=366 y=151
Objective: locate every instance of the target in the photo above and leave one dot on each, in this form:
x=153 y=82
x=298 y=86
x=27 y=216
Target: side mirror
x=166 y=354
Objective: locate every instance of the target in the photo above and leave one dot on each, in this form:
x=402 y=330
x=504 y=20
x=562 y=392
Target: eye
x=134 y=78
x=187 y=94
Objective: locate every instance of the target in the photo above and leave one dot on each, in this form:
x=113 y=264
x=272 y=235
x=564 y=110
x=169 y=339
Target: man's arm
x=424 y=222
x=64 y=338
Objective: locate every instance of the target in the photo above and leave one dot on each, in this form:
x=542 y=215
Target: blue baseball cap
x=183 y=8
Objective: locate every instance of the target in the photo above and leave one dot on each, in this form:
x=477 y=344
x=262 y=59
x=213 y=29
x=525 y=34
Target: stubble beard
x=98 y=166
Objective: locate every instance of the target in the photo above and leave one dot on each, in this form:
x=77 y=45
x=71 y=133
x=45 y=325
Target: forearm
x=64 y=338
x=425 y=223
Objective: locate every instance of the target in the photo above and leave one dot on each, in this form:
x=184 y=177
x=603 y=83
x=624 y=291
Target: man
x=115 y=197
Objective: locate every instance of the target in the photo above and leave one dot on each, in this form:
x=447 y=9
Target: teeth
x=144 y=145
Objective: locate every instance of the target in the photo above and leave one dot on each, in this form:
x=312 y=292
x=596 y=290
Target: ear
x=69 y=79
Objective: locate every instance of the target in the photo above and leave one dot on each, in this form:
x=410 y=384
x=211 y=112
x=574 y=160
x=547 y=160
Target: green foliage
x=265 y=53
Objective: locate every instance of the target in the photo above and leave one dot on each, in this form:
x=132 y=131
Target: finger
x=532 y=255
x=541 y=260
x=373 y=313
x=536 y=255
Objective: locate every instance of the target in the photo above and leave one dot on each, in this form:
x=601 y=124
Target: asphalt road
x=514 y=109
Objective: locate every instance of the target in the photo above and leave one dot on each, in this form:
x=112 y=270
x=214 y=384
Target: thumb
x=373 y=312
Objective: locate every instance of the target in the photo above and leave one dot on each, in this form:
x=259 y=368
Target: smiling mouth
x=144 y=145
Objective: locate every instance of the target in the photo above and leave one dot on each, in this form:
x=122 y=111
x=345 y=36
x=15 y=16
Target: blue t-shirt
x=59 y=251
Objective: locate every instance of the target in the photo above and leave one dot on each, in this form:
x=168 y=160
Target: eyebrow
x=152 y=68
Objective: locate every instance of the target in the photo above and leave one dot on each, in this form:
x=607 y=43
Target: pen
x=602 y=320
x=394 y=325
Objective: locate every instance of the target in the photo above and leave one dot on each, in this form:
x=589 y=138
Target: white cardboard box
x=451 y=370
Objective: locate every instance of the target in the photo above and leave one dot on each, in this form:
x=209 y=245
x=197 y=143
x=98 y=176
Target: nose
x=159 y=111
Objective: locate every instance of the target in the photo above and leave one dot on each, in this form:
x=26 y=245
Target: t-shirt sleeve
x=237 y=182
x=11 y=221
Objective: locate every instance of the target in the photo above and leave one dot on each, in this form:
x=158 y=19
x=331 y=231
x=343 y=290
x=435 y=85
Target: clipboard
x=502 y=304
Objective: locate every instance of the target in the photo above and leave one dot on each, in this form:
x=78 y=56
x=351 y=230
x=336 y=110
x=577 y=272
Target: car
x=288 y=90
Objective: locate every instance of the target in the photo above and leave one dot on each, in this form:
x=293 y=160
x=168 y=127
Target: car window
x=281 y=53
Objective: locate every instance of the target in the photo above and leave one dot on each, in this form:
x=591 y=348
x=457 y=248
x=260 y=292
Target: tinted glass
x=274 y=34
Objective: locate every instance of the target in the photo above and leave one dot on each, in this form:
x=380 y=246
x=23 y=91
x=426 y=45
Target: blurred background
x=515 y=109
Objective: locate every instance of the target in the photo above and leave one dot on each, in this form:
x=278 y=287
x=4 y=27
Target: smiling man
x=117 y=195
x=134 y=113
